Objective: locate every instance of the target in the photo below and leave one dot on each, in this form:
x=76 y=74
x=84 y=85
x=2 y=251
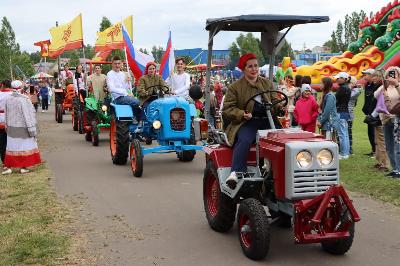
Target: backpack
x=392 y=99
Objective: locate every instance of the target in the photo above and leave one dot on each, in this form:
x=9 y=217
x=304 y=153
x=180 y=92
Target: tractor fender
x=193 y=111
x=122 y=112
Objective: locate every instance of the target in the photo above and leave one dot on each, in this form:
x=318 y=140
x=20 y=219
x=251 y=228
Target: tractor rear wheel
x=119 y=141
x=219 y=208
x=59 y=113
x=253 y=229
x=95 y=133
x=136 y=158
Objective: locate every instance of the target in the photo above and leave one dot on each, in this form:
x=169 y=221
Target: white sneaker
x=42 y=111
x=24 y=171
x=232 y=180
x=7 y=172
x=343 y=157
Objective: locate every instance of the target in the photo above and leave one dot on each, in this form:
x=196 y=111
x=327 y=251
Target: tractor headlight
x=104 y=108
x=304 y=159
x=324 y=157
x=156 y=124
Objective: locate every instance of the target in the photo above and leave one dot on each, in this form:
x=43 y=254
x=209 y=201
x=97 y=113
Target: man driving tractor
x=119 y=87
x=245 y=119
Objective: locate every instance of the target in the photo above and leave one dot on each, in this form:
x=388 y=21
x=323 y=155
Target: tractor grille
x=177 y=119
x=314 y=181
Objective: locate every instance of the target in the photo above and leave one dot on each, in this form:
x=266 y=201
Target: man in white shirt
x=119 y=87
x=180 y=82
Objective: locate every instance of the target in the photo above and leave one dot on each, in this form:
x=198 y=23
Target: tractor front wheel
x=219 y=208
x=88 y=136
x=136 y=157
x=253 y=229
x=119 y=141
x=75 y=120
x=341 y=246
x=188 y=156
x=81 y=129
x=95 y=133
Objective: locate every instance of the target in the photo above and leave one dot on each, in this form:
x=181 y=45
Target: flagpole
x=58 y=57
x=127 y=69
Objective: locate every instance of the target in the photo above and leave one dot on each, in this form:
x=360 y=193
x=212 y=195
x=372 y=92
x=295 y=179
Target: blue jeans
x=133 y=102
x=392 y=148
x=343 y=133
x=244 y=139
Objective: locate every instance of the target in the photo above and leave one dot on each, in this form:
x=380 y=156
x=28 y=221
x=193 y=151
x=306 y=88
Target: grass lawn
x=358 y=172
x=32 y=220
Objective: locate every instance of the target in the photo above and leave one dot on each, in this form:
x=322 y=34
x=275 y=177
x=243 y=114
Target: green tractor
x=96 y=118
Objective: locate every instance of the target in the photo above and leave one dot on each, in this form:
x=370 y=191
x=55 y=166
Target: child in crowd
x=306 y=109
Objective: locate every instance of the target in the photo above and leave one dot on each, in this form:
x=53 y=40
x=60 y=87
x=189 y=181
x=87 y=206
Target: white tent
x=265 y=69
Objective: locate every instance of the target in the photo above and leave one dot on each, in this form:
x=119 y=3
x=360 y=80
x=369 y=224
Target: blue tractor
x=169 y=120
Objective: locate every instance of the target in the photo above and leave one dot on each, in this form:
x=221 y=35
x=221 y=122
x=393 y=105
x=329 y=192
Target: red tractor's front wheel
x=219 y=208
x=136 y=157
x=253 y=229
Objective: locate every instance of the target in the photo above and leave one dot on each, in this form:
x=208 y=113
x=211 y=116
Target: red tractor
x=292 y=177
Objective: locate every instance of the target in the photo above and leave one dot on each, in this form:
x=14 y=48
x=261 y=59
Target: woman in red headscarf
x=149 y=83
x=244 y=123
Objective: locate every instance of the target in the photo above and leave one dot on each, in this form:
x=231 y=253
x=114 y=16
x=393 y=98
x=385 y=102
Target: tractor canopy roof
x=261 y=22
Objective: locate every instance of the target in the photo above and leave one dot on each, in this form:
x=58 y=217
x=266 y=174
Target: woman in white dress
x=22 y=149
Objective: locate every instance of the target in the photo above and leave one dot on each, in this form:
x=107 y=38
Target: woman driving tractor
x=246 y=117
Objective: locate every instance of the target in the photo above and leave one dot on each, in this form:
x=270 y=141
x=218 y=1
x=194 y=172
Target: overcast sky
x=31 y=20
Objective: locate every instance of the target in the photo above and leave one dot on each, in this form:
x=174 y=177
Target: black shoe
x=391 y=174
x=396 y=176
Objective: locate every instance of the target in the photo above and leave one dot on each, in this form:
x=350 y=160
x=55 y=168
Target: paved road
x=159 y=219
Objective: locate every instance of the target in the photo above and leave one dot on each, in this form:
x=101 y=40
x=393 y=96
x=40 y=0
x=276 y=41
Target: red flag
x=44 y=47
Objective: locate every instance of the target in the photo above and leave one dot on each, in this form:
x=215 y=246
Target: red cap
x=147 y=67
x=243 y=60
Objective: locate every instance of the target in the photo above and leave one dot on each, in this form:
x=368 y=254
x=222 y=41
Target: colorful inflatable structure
x=378 y=46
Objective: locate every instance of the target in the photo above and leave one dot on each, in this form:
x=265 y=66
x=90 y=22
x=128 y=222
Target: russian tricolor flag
x=137 y=60
x=168 y=60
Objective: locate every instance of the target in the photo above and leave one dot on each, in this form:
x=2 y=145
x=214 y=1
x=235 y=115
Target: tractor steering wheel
x=269 y=104
x=159 y=92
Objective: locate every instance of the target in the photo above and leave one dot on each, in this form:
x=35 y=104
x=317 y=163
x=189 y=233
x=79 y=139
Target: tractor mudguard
x=122 y=112
x=193 y=110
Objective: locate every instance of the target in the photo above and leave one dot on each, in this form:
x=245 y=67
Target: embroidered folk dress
x=22 y=150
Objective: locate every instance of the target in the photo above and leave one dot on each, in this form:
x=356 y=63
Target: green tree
x=144 y=50
x=157 y=53
x=105 y=23
x=234 y=55
x=73 y=58
x=10 y=54
x=346 y=33
x=286 y=51
x=89 y=51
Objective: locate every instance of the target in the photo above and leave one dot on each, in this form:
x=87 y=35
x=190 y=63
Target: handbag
x=392 y=99
x=380 y=104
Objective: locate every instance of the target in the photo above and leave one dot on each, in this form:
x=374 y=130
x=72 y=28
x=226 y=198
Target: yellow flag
x=65 y=37
x=128 y=24
x=111 y=38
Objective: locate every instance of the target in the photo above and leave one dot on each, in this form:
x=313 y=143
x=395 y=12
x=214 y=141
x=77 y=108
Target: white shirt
x=117 y=84
x=180 y=84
